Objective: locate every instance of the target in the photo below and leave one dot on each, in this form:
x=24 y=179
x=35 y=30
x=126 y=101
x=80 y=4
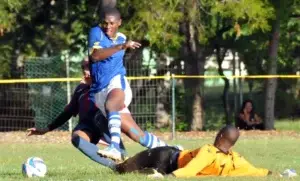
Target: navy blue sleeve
x=73 y=106
x=70 y=110
x=60 y=120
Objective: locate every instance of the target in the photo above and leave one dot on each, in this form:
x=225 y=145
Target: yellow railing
x=43 y=80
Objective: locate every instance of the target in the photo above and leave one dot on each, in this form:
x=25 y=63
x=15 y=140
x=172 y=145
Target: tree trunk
x=250 y=85
x=194 y=59
x=194 y=112
x=235 y=104
x=240 y=82
x=220 y=57
x=271 y=84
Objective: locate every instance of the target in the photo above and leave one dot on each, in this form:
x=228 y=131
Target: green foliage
x=286 y=104
x=41 y=28
x=8 y=13
x=182 y=126
x=4 y=59
x=214 y=118
x=252 y=14
x=155 y=21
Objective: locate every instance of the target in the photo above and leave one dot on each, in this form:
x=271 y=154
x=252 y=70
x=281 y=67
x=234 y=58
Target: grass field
x=274 y=150
x=288 y=124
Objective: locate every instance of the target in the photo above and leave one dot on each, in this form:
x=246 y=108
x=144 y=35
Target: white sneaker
x=289 y=173
x=111 y=152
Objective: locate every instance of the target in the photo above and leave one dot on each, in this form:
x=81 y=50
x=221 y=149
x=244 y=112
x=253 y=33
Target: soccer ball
x=34 y=167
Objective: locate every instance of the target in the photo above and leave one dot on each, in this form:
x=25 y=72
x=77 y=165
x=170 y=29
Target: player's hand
x=131 y=44
x=249 y=123
x=36 y=131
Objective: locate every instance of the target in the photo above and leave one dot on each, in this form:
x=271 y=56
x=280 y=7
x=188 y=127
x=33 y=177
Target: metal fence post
x=68 y=88
x=173 y=106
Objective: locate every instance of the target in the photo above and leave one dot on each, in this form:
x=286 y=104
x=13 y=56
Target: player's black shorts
x=97 y=127
x=163 y=159
x=94 y=132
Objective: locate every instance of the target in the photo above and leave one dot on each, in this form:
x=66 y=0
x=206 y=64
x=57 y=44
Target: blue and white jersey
x=103 y=71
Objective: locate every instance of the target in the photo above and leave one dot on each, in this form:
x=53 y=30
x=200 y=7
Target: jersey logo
x=222 y=168
x=97 y=45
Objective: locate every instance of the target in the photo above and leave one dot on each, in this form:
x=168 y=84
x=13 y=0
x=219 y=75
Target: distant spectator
x=247 y=118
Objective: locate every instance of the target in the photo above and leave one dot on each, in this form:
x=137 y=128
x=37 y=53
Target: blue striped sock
x=151 y=141
x=90 y=150
x=114 y=126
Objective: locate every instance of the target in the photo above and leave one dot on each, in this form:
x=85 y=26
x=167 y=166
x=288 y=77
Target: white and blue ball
x=34 y=167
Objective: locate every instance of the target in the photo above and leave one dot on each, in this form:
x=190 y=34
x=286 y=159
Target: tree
x=230 y=20
x=8 y=23
x=197 y=37
x=283 y=11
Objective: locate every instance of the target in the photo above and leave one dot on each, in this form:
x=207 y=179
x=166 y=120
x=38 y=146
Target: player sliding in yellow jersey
x=209 y=160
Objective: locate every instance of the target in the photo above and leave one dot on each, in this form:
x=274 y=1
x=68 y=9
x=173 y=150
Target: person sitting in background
x=247 y=118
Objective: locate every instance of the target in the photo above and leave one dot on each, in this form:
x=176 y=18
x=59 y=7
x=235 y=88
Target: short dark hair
x=224 y=132
x=85 y=63
x=112 y=12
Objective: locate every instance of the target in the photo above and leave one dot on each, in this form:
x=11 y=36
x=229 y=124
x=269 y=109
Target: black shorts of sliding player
x=162 y=159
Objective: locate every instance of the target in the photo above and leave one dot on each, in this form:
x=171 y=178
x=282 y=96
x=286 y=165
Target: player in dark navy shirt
x=86 y=133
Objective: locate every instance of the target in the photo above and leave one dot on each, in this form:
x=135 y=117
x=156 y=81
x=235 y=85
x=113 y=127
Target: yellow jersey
x=210 y=161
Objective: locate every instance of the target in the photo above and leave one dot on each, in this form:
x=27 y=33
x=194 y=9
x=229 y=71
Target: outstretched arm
x=243 y=168
x=58 y=121
x=70 y=110
x=204 y=158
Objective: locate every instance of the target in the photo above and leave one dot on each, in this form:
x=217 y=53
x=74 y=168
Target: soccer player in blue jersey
x=110 y=89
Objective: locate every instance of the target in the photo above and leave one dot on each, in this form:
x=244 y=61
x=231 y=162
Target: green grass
x=288 y=125
x=66 y=163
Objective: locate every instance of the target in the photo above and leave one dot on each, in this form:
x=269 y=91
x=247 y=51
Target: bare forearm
x=243 y=117
x=103 y=53
x=257 y=118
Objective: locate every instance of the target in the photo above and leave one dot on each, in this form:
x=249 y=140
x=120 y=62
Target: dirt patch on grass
x=64 y=136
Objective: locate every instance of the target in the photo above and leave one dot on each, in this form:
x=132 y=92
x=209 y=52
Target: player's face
x=86 y=71
x=248 y=107
x=111 y=25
